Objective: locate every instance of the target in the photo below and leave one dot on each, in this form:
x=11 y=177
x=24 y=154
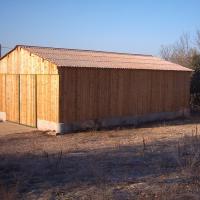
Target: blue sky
x=136 y=26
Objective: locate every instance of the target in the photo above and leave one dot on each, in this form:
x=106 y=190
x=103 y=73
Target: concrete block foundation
x=45 y=125
x=2 y=116
x=109 y=122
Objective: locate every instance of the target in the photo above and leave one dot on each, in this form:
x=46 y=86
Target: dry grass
x=152 y=162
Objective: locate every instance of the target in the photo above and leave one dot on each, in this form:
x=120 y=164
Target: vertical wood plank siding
x=2 y=93
x=103 y=93
x=31 y=73
x=48 y=97
x=12 y=98
x=20 y=61
x=28 y=100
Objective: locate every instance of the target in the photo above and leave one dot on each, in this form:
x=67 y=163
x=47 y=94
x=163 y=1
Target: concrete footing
x=110 y=122
x=105 y=123
x=2 y=116
x=51 y=126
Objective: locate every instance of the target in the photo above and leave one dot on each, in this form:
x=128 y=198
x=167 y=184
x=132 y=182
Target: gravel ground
x=147 y=162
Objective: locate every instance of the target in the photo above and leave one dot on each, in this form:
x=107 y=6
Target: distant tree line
x=186 y=52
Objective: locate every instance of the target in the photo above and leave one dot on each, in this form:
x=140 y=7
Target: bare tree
x=181 y=52
x=198 y=39
x=166 y=52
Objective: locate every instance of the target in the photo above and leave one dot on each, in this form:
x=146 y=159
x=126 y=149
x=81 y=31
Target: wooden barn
x=66 y=89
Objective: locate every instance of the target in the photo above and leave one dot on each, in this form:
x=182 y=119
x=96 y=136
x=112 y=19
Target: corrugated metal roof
x=99 y=59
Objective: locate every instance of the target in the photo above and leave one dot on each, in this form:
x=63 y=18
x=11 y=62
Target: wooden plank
x=12 y=98
x=48 y=97
x=28 y=100
x=2 y=92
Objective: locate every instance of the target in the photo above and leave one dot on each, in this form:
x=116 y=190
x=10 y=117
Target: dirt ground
x=148 y=162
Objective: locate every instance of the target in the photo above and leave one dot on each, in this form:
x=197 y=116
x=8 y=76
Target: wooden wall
x=21 y=61
x=29 y=88
x=103 y=93
x=28 y=100
x=48 y=97
x=2 y=93
x=12 y=98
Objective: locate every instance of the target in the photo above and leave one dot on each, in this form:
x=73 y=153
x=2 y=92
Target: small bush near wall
x=195 y=84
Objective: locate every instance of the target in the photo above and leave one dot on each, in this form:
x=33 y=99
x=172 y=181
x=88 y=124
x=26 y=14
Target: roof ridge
x=84 y=50
x=108 y=61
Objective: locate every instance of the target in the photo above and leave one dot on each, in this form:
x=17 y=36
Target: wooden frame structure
x=55 y=89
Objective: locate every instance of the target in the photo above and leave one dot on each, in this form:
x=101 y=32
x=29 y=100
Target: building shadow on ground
x=117 y=165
